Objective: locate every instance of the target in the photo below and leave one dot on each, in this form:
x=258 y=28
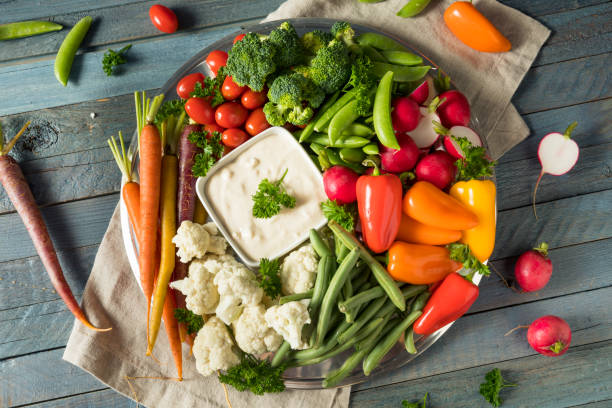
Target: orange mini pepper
x=479 y=196
x=473 y=29
x=429 y=205
x=415 y=232
x=420 y=264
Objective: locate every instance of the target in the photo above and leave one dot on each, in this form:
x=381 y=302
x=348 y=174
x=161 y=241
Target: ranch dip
x=230 y=189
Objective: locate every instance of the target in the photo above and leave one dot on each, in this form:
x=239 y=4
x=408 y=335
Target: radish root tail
x=516 y=328
x=535 y=190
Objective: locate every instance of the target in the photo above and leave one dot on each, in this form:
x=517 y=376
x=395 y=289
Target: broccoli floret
x=289 y=50
x=315 y=40
x=343 y=31
x=251 y=61
x=292 y=98
x=331 y=67
x=364 y=82
x=303 y=70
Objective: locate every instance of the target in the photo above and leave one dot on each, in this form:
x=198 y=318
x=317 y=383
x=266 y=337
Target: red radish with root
x=398 y=161
x=533 y=268
x=425 y=135
x=557 y=153
x=438 y=168
x=451 y=146
x=340 y=184
x=424 y=93
x=454 y=109
x=405 y=114
x=549 y=335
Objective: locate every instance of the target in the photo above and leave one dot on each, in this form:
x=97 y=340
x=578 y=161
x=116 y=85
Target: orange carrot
x=173 y=333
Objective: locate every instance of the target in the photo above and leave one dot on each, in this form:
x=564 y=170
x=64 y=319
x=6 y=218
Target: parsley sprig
x=494 y=383
x=193 y=321
x=420 y=404
x=174 y=107
x=474 y=163
x=342 y=214
x=461 y=253
x=113 y=58
x=212 y=150
x=269 y=277
x=211 y=87
x=270 y=197
x=257 y=376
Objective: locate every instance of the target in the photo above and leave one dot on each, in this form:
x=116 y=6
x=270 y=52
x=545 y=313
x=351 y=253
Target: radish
x=454 y=110
x=398 y=161
x=557 y=154
x=533 y=269
x=549 y=335
x=438 y=168
x=450 y=145
x=424 y=93
x=340 y=184
x=425 y=135
x=405 y=115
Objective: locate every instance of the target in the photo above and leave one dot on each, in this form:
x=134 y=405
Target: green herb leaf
x=442 y=82
x=169 y=108
x=113 y=58
x=474 y=163
x=270 y=197
x=211 y=88
x=342 y=214
x=212 y=150
x=257 y=376
x=421 y=404
x=193 y=321
x=493 y=384
x=461 y=253
x=269 y=277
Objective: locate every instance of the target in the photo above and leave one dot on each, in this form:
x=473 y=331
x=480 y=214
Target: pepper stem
x=570 y=129
x=557 y=347
x=542 y=249
x=4 y=150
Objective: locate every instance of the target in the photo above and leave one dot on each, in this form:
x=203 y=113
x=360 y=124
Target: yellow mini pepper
x=479 y=196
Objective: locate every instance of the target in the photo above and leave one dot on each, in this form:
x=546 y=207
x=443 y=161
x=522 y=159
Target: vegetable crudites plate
x=411 y=206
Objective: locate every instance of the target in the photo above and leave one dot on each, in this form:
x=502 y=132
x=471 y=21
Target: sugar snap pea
x=324 y=161
x=341 y=120
x=382 y=42
x=307 y=131
x=68 y=49
x=382 y=112
x=23 y=29
x=401 y=73
x=371 y=148
x=350 y=141
x=329 y=113
x=402 y=57
x=352 y=155
x=373 y=53
x=335 y=160
x=412 y=8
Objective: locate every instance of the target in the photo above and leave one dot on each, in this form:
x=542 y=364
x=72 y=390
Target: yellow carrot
x=199 y=215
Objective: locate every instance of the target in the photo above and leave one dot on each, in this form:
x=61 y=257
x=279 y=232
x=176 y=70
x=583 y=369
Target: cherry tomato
x=163 y=18
x=234 y=137
x=187 y=84
x=238 y=38
x=227 y=149
x=199 y=109
x=231 y=90
x=252 y=99
x=230 y=115
x=213 y=127
x=256 y=122
x=216 y=59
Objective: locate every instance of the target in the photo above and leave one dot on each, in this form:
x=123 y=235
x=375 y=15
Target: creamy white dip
x=229 y=191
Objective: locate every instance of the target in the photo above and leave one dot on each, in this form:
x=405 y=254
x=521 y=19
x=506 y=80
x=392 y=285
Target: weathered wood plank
x=96 y=399
x=543 y=7
x=585 y=369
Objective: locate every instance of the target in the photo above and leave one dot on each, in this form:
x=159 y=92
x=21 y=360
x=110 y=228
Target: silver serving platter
x=309 y=377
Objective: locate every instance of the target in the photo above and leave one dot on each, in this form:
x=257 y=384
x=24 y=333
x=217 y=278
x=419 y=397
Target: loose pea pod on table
x=23 y=29
x=68 y=49
x=413 y=7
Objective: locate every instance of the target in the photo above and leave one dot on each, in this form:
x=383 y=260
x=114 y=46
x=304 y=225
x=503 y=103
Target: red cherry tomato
x=252 y=99
x=231 y=90
x=234 y=137
x=163 y=18
x=238 y=38
x=256 y=122
x=187 y=84
x=216 y=59
x=199 y=109
x=230 y=115
x=212 y=127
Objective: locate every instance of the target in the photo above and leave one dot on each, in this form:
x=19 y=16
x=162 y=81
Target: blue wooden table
x=74 y=179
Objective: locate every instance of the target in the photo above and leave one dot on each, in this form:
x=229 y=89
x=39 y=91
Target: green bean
x=371 y=148
x=386 y=329
x=326 y=269
x=382 y=42
x=68 y=49
x=360 y=298
x=382 y=112
x=23 y=29
x=307 y=131
x=295 y=296
x=420 y=301
x=372 y=53
x=341 y=120
x=327 y=345
x=361 y=279
x=331 y=294
x=281 y=354
x=412 y=8
x=402 y=58
x=329 y=113
x=401 y=73
x=318 y=244
x=350 y=141
x=352 y=155
x=383 y=347
x=409 y=341
x=370 y=311
x=381 y=274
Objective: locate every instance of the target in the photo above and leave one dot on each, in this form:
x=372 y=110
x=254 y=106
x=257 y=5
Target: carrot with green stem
x=18 y=191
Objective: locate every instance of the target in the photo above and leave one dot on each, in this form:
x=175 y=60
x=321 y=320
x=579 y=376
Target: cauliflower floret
x=212 y=348
x=299 y=270
x=200 y=291
x=237 y=286
x=194 y=240
x=288 y=321
x=253 y=334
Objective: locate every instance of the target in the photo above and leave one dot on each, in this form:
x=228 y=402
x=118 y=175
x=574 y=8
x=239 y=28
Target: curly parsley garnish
x=461 y=253
x=212 y=150
x=174 y=107
x=257 y=376
x=269 y=277
x=193 y=321
x=113 y=58
x=494 y=382
x=420 y=404
x=211 y=87
x=342 y=214
x=270 y=197
x=474 y=163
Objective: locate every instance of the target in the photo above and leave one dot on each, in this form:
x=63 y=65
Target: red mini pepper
x=451 y=299
x=379 y=200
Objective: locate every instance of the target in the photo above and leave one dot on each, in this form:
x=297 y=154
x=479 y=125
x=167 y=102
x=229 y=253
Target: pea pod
x=412 y=8
x=323 y=161
x=402 y=57
x=350 y=141
x=23 y=29
x=68 y=49
x=352 y=155
x=401 y=73
x=307 y=131
x=382 y=42
x=335 y=160
x=382 y=112
x=357 y=129
x=371 y=148
x=373 y=53
x=341 y=120
x=317 y=148
x=329 y=113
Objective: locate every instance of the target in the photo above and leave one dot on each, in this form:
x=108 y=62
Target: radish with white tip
x=425 y=134
x=558 y=154
x=451 y=146
x=424 y=93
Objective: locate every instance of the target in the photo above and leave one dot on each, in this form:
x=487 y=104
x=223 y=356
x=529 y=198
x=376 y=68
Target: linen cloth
x=112 y=296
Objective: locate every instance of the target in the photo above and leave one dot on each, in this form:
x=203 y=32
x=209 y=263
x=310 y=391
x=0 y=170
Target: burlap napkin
x=488 y=80
x=112 y=296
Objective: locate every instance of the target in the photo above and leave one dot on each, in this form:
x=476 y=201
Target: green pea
x=68 y=49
